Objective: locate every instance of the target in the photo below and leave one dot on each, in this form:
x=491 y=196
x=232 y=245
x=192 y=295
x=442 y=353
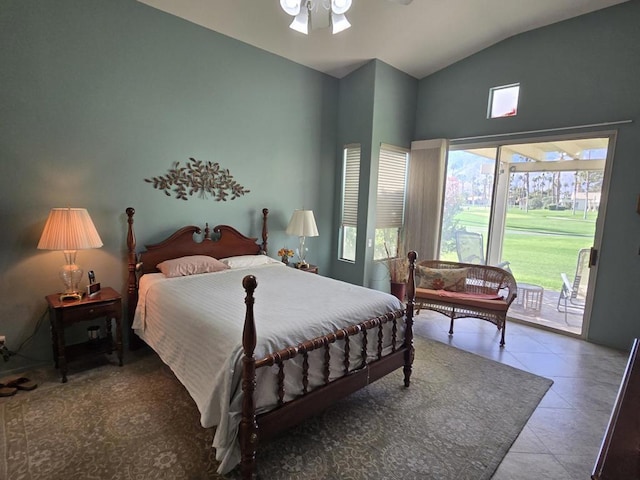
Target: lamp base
x=71 y=296
x=70 y=273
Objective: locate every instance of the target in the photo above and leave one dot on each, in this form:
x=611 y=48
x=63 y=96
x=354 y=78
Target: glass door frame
x=499 y=198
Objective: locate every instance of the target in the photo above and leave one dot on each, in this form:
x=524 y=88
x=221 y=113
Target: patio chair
x=573 y=294
x=470 y=249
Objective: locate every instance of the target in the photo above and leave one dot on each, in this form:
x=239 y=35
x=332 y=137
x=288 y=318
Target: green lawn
x=539 y=244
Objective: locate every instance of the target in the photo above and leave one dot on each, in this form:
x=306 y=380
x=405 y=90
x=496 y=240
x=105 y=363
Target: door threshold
x=549 y=328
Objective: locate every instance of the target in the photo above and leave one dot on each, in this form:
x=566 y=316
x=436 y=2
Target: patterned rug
x=456 y=421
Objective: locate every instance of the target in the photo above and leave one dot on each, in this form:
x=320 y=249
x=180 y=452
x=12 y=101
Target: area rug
x=456 y=421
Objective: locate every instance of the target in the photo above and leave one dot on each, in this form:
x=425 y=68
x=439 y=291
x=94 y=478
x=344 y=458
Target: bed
x=258 y=367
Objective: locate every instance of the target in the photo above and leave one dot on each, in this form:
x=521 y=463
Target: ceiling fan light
x=292 y=7
x=339 y=23
x=301 y=22
x=339 y=7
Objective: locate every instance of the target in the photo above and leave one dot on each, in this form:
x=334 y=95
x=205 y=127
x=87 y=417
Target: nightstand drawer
x=86 y=312
x=106 y=304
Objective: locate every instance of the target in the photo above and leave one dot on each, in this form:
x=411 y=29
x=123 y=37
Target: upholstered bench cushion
x=477 y=300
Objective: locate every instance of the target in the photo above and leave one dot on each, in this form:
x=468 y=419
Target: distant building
x=592 y=200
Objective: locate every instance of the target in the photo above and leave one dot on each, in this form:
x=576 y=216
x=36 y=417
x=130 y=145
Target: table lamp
x=69 y=230
x=302 y=224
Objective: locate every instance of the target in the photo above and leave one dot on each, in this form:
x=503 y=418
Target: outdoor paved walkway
x=549 y=316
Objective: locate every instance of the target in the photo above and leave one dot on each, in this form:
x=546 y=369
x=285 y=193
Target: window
x=392 y=180
x=350 y=182
x=503 y=101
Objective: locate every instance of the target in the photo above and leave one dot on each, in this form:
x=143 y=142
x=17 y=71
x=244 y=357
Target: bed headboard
x=219 y=242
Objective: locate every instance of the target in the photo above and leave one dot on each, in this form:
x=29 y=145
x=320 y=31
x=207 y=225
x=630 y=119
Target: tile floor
x=562 y=438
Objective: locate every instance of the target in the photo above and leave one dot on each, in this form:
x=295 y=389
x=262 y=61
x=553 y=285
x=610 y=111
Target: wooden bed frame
x=227 y=241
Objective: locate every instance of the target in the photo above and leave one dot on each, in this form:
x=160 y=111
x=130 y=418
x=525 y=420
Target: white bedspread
x=195 y=325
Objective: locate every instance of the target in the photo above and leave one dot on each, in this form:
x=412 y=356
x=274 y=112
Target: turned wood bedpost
x=132 y=280
x=248 y=424
x=411 y=298
x=265 y=232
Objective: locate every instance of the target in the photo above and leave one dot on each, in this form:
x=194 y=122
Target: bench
x=460 y=290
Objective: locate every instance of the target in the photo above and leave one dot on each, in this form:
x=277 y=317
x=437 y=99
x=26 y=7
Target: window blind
x=392 y=177
x=351 y=180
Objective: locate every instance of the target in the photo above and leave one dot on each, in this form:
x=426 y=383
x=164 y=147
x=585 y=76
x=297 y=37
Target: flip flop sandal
x=19 y=382
x=7 y=391
x=9 y=381
x=26 y=385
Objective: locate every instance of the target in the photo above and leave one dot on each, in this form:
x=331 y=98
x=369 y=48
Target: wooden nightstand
x=310 y=269
x=62 y=313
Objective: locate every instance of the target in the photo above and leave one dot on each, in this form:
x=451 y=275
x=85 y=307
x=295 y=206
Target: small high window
x=503 y=101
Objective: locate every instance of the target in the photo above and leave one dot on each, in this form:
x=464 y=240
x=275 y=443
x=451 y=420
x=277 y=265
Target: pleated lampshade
x=69 y=229
x=302 y=224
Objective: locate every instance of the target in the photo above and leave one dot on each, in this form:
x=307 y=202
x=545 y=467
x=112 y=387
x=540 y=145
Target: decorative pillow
x=190 y=265
x=244 y=261
x=450 y=279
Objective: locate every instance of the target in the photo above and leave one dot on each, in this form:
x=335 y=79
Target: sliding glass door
x=468 y=203
x=532 y=207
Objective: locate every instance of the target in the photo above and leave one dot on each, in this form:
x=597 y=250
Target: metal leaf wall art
x=199 y=178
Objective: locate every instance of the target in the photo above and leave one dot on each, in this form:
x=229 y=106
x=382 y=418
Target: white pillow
x=190 y=265
x=244 y=261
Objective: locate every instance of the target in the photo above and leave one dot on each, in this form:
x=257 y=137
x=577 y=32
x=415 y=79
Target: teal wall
x=581 y=71
x=96 y=96
x=393 y=123
x=355 y=126
x=377 y=105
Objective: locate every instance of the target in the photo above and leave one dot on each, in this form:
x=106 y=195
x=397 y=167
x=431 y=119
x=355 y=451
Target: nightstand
x=62 y=313
x=310 y=269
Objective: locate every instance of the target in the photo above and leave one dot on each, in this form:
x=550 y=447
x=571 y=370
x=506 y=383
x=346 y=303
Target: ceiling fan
x=321 y=13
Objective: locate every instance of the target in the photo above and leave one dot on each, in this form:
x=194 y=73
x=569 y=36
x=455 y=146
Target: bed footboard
x=255 y=428
x=248 y=425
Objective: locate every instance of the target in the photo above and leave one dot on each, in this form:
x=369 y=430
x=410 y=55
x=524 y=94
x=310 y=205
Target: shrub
x=554 y=206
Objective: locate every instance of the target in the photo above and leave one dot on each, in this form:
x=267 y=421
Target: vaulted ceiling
x=419 y=38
